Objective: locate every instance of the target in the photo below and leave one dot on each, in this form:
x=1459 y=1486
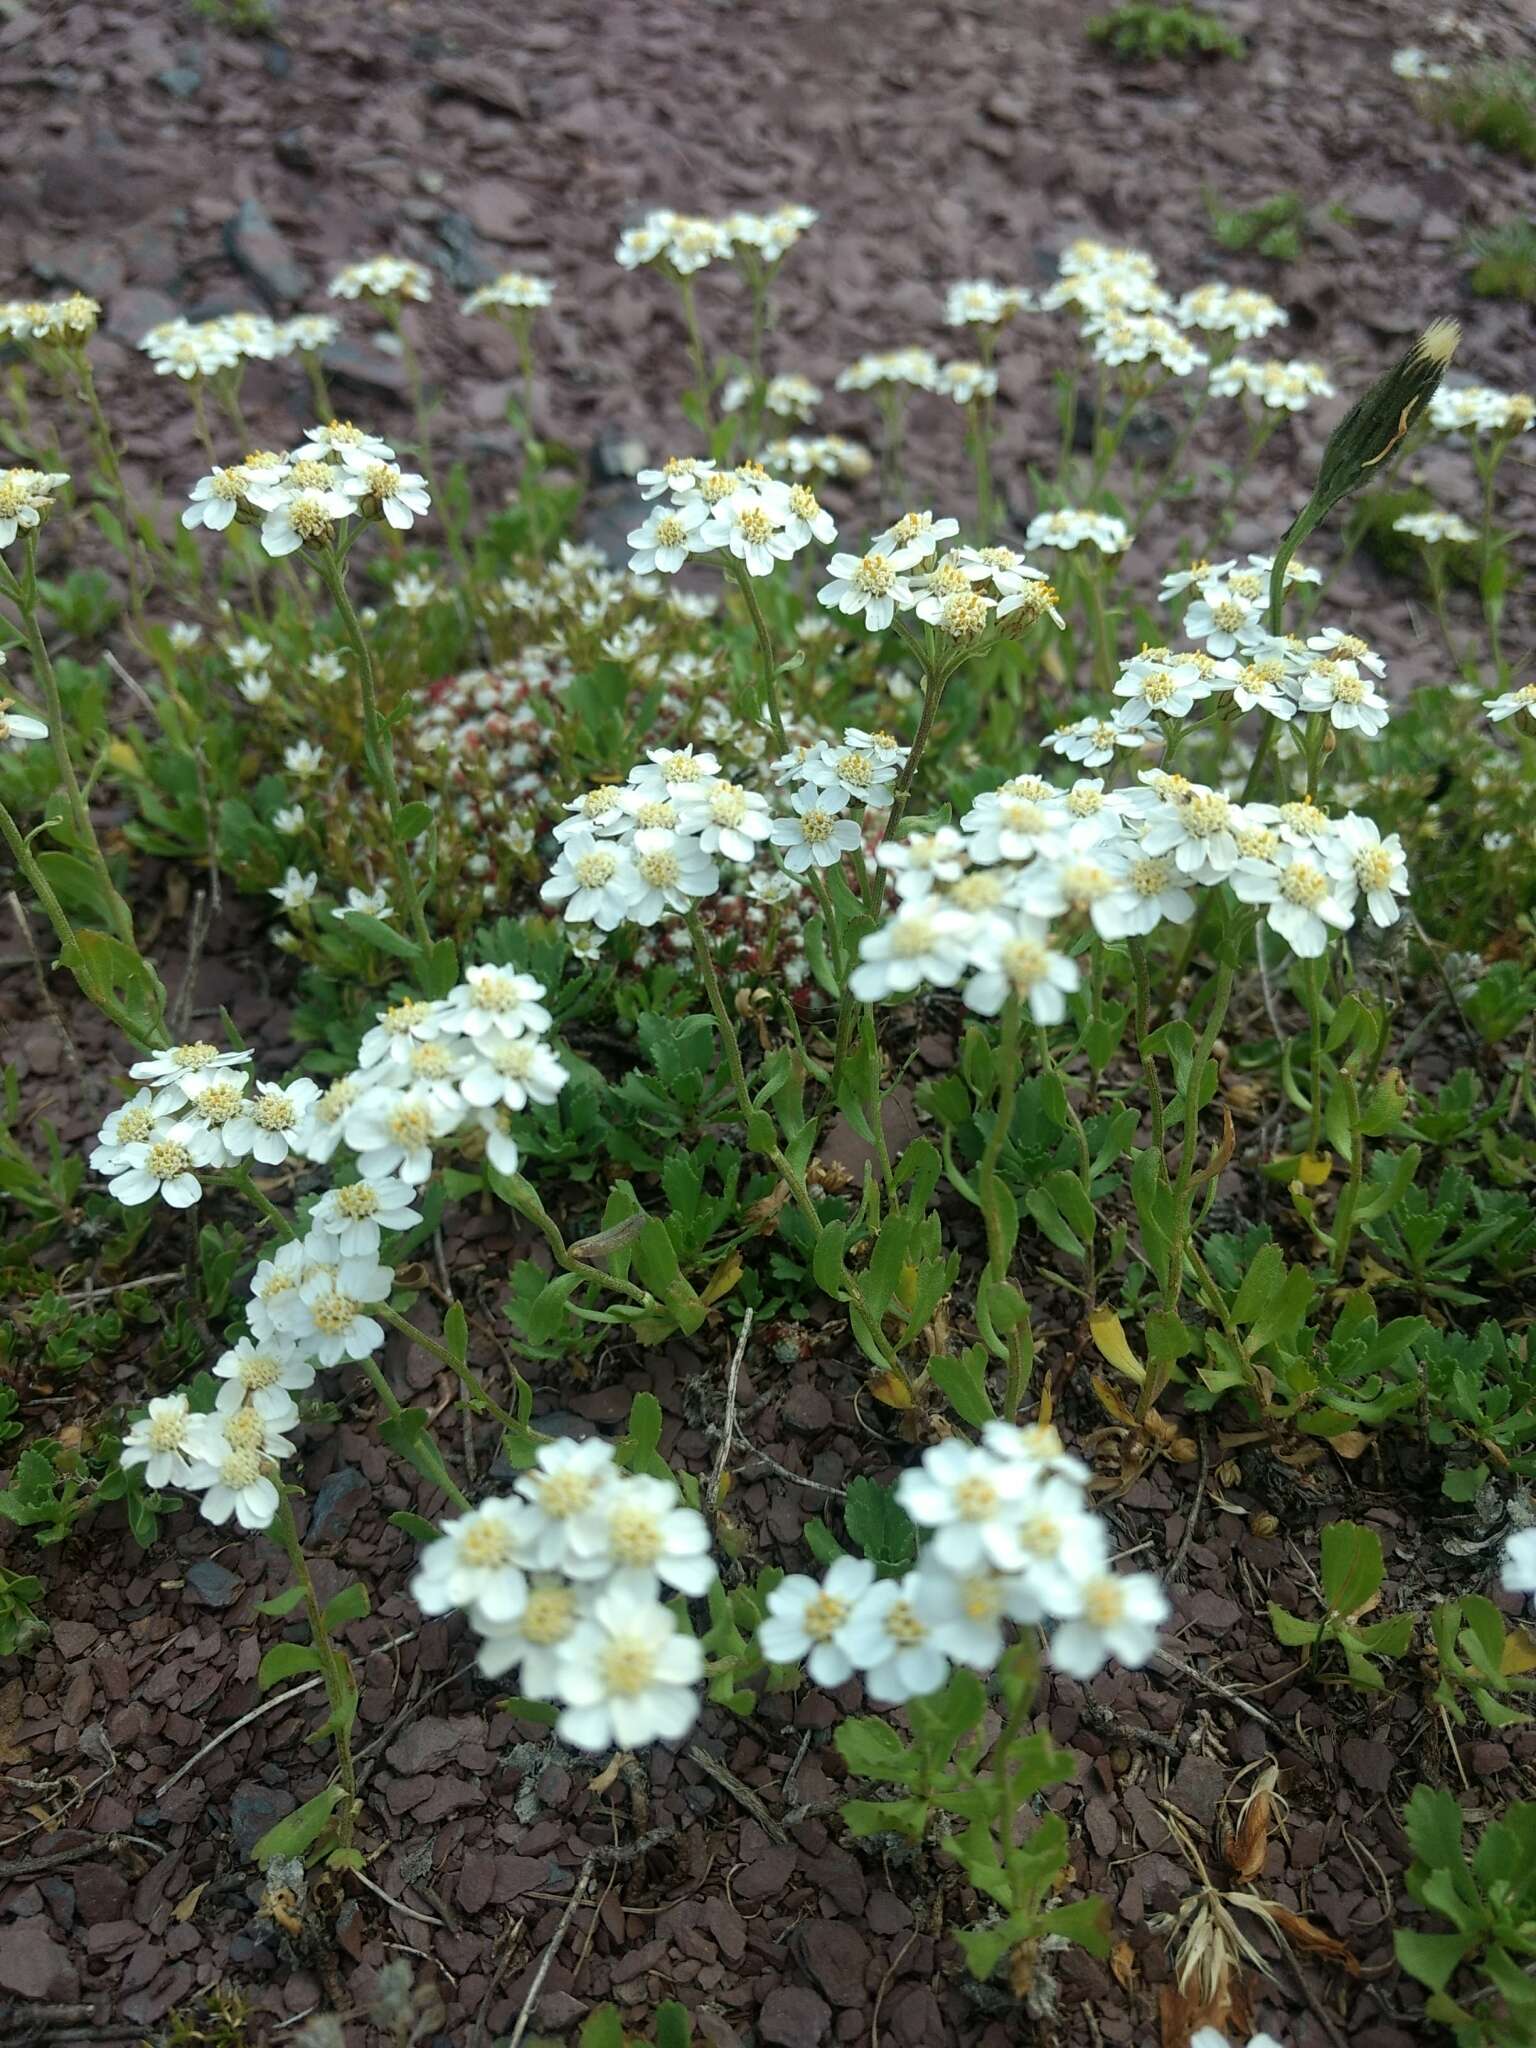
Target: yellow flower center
x=627 y=1666
x=754 y=525
x=596 y=869
x=166 y=1159
x=168 y=1432
x=824 y=1616
x=241 y=1468
x=1025 y=964
x=658 y=870
x=635 y=1536
x=1206 y=814
x=874 y=576
x=333 y=1313
x=670 y=531
x=562 y=1494
x=816 y=827
x=976 y=1500
x=1040 y=1535
x=1103 y=1603
x=189 y=1058
x=549 y=1616
x=487 y=1545
x=134 y=1126
x=1149 y=875
x=410 y=1126
x=274 y=1112
x=1303 y=884
x=904 y=1626
x=259 y=1369
x=357 y=1202
x=1373 y=867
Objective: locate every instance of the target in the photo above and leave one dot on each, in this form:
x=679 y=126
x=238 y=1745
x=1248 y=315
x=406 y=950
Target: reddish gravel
x=938 y=142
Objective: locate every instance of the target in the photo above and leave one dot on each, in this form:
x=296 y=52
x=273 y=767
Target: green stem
x=1344 y=1221
x=23 y=594
x=1150 y=1075
x=1312 y=980
x=340 y=1691
x=1049 y=1065
x=320 y=396
x=703 y=386
x=765 y=647
x=1215 y=1018
x=378 y=752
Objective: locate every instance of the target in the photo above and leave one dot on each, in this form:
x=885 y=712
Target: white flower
x=268 y=1122
x=1512 y=702
x=1338 y=645
x=383 y=277
x=871 y=583
x=1120 y=1618
x=1478 y=409
x=670 y=534
x=263 y=1376
x=513 y=290
x=626 y=1676
x=888 y=1639
x=1062 y=1544
x=147 y=1116
x=965 y=1610
x=1208 y=2037
x=303 y=760
x=914 y=367
x=1224 y=618
x=248 y=654
x=805 y=1620
x=358 y=1214
x=671 y=872
x=288 y=820
x=295 y=889
x=752 y=526
x=1015 y=958
x=636 y=1535
x=924 y=941
x=1351 y=700
x=1436 y=529
x=1282 y=387
x=978 y=302
x=393 y=1130
x=159 y=1442
x=511 y=1073
x=730 y=821
x=215 y=499
x=1198 y=829
x=1377 y=867
x=1070 y=528
x=922 y=861
x=1002 y=826
x=1305 y=900
x=969 y=1500
x=476 y=1564
x=568 y=1480
x=594 y=880
x=681 y=474
x=1221 y=309
x=165 y=1165
x=1517 y=1573
x=308 y=333
x=304 y=516
x=335 y=1320
x=230 y=1454
x=412 y=592
x=965 y=382
x=174 y=1064
x=493 y=1002
x=813 y=834
x=397 y=495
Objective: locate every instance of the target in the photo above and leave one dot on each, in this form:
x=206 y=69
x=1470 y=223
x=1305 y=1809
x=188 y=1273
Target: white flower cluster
x=745 y=512
x=1518 y=1571
x=337 y=471
x=822 y=455
x=564 y=1584
x=1418 y=67
x=188 y=349
x=387 y=278
x=515 y=291
x=914 y=368
x=1283 y=387
x=788 y=396
x=26 y=499
x=1227 y=309
x=1436 y=529
x=963 y=592
x=1070 y=528
x=685 y=242
x=1097 y=277
x=52 y=322
x=1120 y=338
x=1479 y=409
x=978 y=302
x=1008 y=1536
x=427 y=1071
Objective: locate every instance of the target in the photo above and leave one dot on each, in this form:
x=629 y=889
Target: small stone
x=423 y=1746
x=793 y=2017
x=1198 y=1788
x=259 y=250
x=807 y=1409
x=211 y=1585
x=254 y=1809
x=34 y=1965
x=336 y=1505
x=181 y=81
x=1369 y=1763
x=836 y=1958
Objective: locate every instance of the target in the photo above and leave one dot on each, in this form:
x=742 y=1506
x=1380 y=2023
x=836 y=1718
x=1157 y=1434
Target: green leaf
x=350 y=1604
x=674 y=2029
x=380 y=934
x=1290 y=1630
x=286 y=1660
x=1432 y=1958
x=1085 y=1921
x=603 y=2029
x=411 y=820
x=456 y=1332
x=1432 y=1822
x=963 y=1383
x=1353 y=1570
x=865 y=1817
x=440 y=970
x=415 y=1526
x=408 y=1435
x=294 y=1833
x=872 y=1747
x=283 y=1604
x=878 y=1526
x=942 y=1718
